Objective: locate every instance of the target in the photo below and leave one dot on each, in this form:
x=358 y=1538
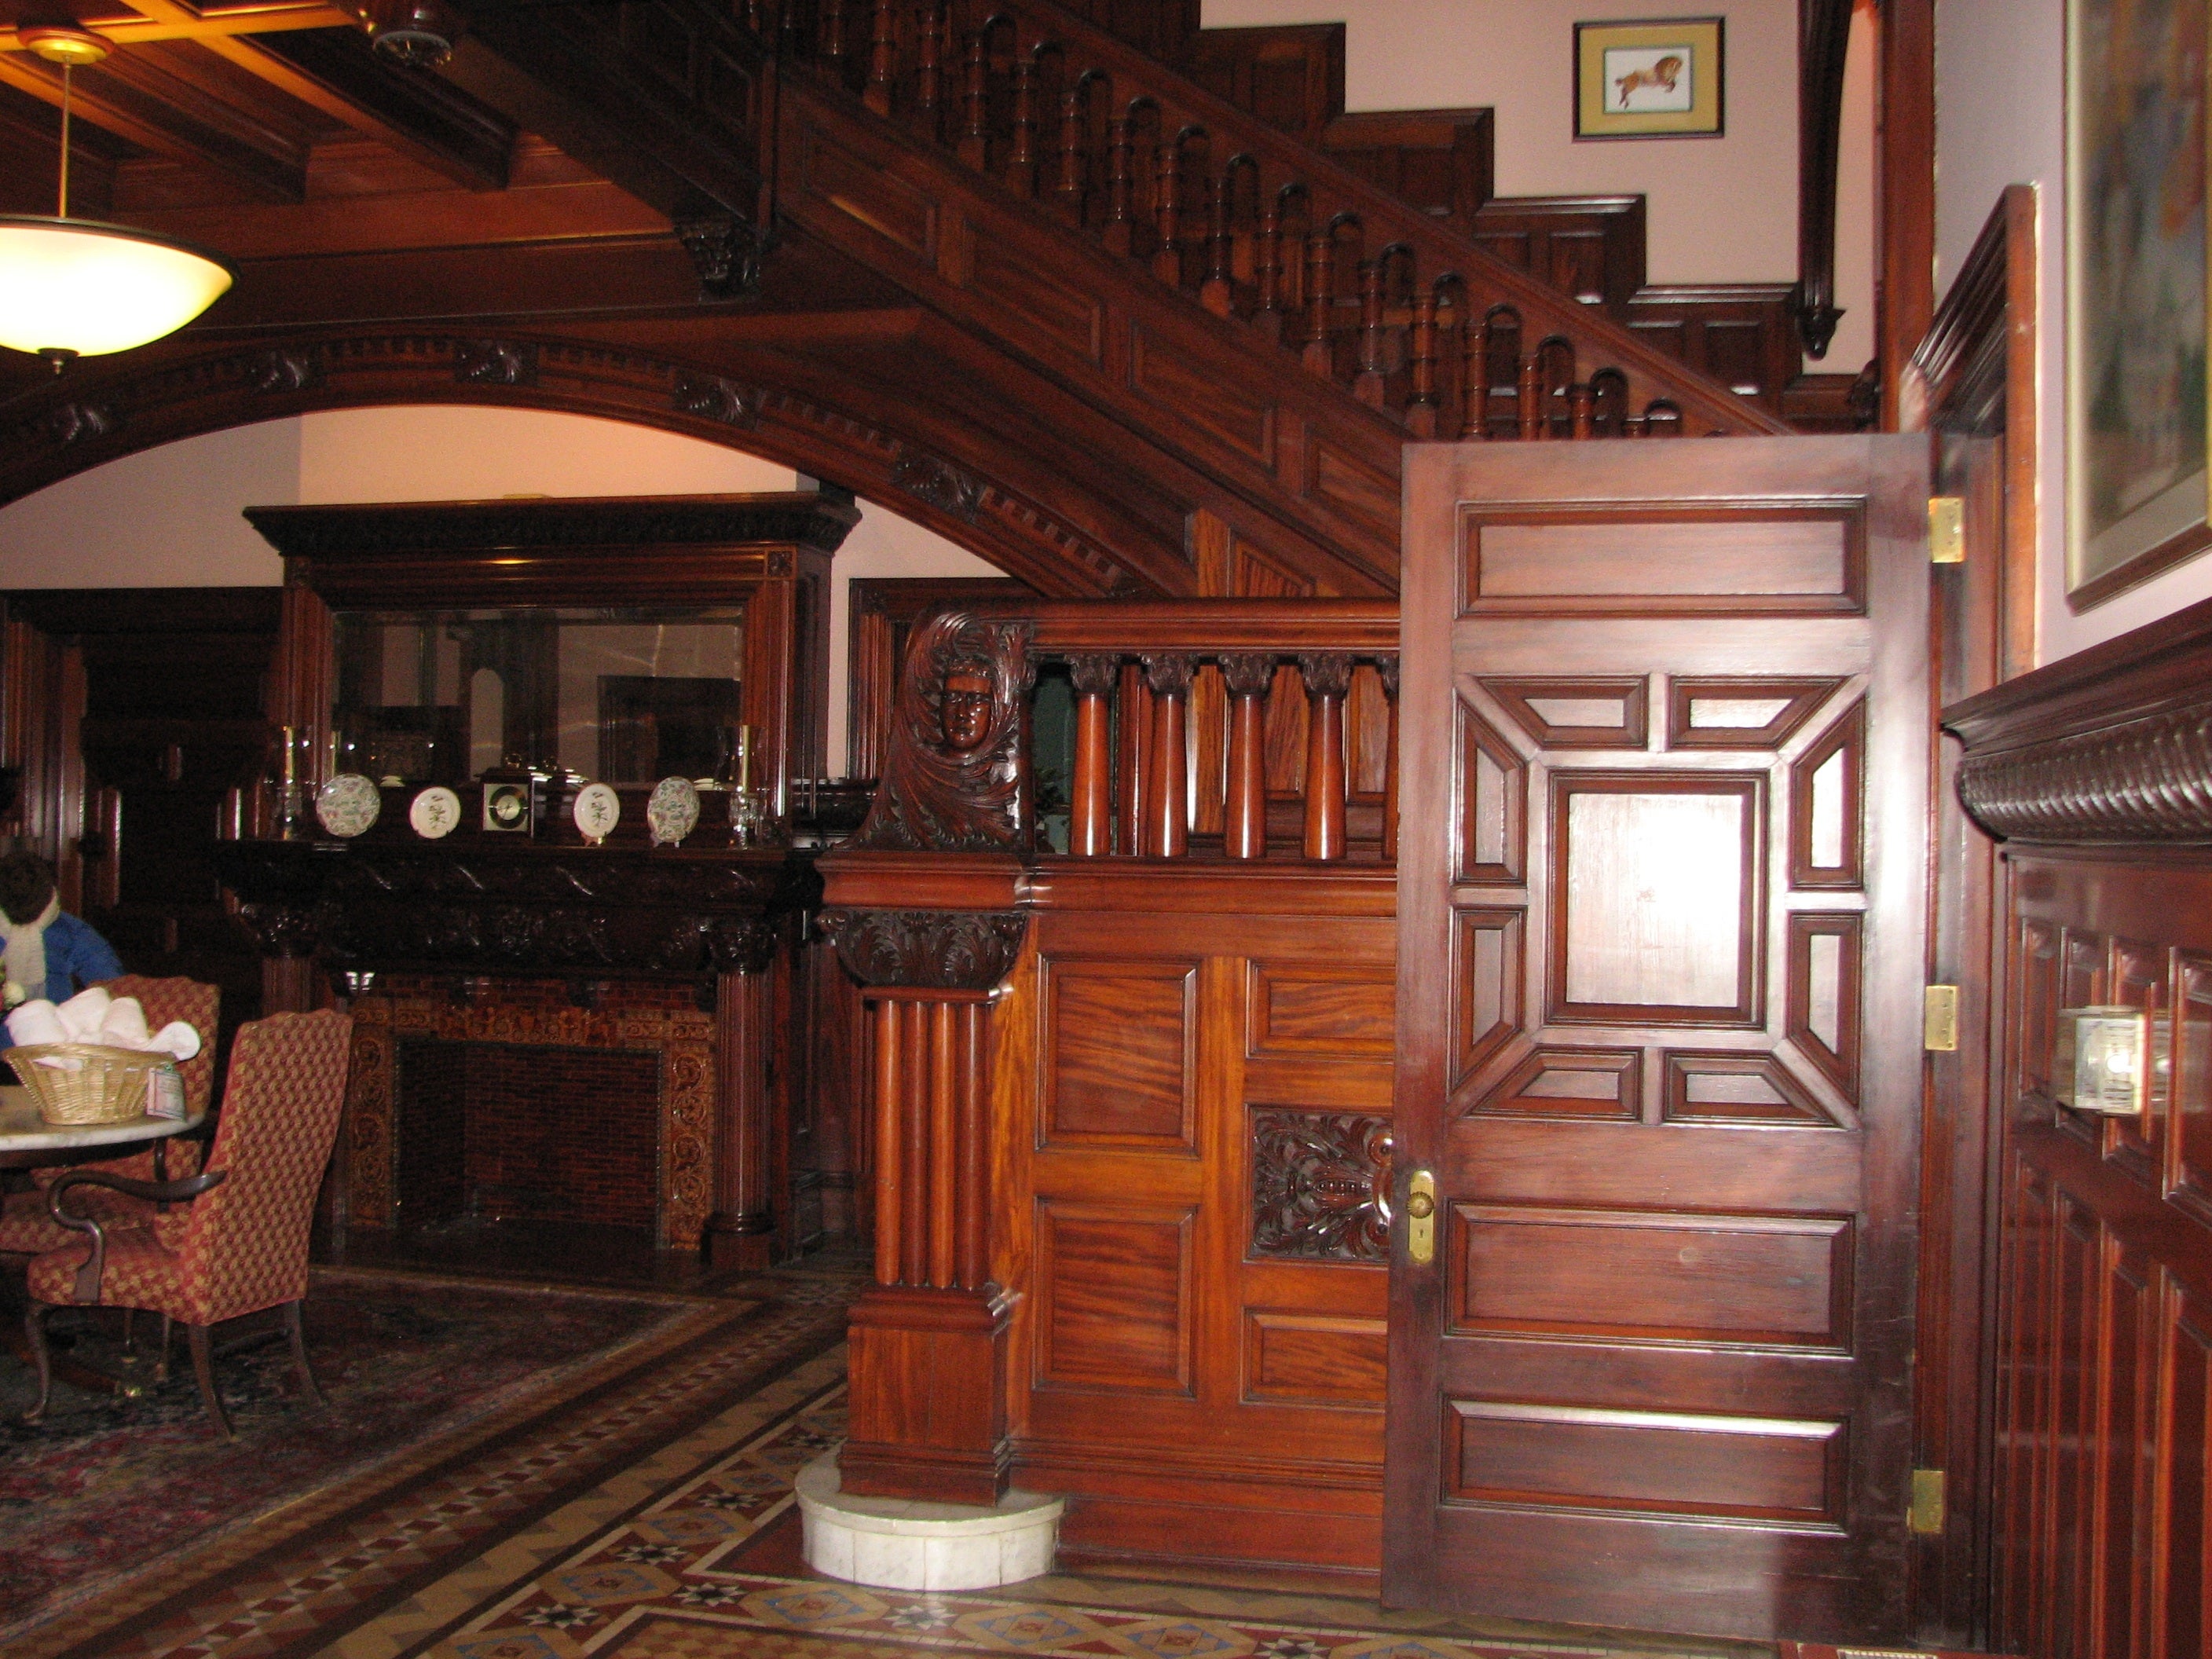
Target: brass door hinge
x=1947 y=530
x=1939 y=1020
x=1926 y=1514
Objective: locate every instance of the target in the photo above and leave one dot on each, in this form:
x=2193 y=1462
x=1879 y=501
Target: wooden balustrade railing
x=1195 y=721
x=1401 y=310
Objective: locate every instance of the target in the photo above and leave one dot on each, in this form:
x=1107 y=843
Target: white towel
x=177 y=1040
x=124 y=1025
x=35 y=1022
x=84 y=1014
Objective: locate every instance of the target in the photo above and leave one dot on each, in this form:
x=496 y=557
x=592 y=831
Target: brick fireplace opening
x=586 y=1104
x=512 y=1132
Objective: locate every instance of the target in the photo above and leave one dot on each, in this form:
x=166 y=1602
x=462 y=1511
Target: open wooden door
x=1662 y=905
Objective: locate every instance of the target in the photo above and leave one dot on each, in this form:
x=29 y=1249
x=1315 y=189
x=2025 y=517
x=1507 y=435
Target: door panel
x=1663 y=902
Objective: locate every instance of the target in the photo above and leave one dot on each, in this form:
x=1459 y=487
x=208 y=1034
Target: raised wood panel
x=1487 y=963
x=1739 y=712
x=1344 y=483
x=1038 y=308
x=1784 y=560
x=1745 y=1090
x=1763 y=1281
x=1172 y=381
x=1827 y=807
x=1317 y=1008
x=1572 y=1084
x=1314 y=1359
x=1656 y=883
x=1113 y=1287
x=1825 y=997
x=1598 y=713
x=893 y=209
x=1697 y=1466
x=1492 y=835
x=1117 y=1056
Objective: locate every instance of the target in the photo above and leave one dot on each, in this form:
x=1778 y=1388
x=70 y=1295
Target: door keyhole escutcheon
x=1421 y=1218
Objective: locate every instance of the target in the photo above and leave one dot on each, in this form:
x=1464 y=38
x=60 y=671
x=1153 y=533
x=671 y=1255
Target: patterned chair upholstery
x=26 y=1229
x=240 y=1245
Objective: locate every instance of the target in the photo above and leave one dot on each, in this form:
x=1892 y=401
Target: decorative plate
x=348 y=804
x=673 y=812
x=437 y=812
x=597 y=810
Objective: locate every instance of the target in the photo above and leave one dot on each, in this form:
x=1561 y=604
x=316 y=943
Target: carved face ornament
x=965 y=712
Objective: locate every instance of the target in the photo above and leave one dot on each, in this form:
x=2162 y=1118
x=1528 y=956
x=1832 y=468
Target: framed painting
x=2136 y=273
x=1653 y=78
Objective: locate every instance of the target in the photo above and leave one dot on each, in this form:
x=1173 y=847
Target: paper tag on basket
x=165 y=1093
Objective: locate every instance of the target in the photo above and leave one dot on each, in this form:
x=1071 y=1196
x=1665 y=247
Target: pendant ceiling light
x=74 y=287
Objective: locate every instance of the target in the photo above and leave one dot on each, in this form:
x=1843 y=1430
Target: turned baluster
x=1167 y=211
x=788 y=40
x=831 y=30
x=1632 y=426
x=1421 y=399
x=1167 y=782
x=1072 y=184
x=1119 y=231
x=1531 y=410
x=1245 y=832
x=1022 y=159
x=883 y=57
x=974 y=147
x=1133 y=734
x=1217 y=293
x=1386 y=669
x=1474 y=379
x=1328 y=677
x=1090 y=818
x=1372 y=384
x=1319 y=353
x=1581 y=403
x=929 y=72
x=1268 y=271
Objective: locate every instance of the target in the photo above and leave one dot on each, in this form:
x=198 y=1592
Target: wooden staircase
x=1228 y=295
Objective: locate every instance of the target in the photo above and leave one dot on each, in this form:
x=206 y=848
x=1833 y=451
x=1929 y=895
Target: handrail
x=1402 y=312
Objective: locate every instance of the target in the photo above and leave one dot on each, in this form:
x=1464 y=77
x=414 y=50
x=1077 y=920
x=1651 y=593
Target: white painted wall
x=2000 y=89
x=170 y=517
x=1718 y=210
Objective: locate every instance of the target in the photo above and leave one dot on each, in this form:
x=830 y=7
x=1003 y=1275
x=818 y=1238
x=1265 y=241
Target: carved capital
x=1327 y=673
x=1385 y=668
x=928 y=949
x=727 y=251
x=280 y=929
x=1094 y=673
x=740 y=945
x=1167 y=675
x=1247 y=673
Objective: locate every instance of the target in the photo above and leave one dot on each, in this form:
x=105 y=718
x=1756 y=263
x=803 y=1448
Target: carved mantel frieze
x=2110 y=746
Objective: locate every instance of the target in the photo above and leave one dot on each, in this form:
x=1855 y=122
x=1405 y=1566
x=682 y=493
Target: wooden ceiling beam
x=416 y=114
x=128 y=29
x=133 y=102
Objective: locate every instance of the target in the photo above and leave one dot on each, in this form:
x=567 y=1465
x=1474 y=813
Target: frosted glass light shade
x=86 y=289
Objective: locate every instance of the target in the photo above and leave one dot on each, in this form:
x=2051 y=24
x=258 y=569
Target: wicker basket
x=110 y=1087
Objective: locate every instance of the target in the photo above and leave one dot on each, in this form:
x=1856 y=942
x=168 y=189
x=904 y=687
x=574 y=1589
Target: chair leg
x=300 y=1354
x=34 y=1327
x=129 y=1330
x=204 y=1367
x=161 y=1363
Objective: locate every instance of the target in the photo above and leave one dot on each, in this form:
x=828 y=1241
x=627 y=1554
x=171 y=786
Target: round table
x=27 y=1140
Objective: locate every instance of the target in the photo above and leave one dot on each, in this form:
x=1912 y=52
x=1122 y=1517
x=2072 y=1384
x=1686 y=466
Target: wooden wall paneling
x=1290 y=75
x=1904 y=197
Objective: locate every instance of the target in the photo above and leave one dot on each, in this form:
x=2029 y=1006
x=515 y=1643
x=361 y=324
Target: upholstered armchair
x=233 y=1239
x=26 y=1229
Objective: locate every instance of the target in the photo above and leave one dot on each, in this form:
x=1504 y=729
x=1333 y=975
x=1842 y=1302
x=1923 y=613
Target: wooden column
x=929 y=1337
x=741 y=1233
x=1167 y=770
x=1244 y=833
x=1328 y=677
x=1091 y=793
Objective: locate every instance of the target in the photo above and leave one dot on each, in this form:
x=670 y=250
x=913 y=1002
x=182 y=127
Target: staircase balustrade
x=1400 y=309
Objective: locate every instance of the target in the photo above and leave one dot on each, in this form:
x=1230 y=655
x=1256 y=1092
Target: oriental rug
x=489 y=1403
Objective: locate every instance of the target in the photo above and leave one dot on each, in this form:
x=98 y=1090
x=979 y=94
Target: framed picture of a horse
x=1652 y=78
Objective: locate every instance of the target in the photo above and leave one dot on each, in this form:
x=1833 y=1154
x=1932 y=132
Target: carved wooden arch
x=100 y=413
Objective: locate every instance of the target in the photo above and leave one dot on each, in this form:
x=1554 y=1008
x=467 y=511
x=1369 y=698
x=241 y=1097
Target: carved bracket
x=928 y=949
x=727 y=252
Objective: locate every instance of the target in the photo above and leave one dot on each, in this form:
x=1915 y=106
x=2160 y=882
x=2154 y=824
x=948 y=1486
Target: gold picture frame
x=2136 y=309
x=1659 y=77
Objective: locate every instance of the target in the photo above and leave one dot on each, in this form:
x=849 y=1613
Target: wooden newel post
x=925 y=909
x=928 y=1362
